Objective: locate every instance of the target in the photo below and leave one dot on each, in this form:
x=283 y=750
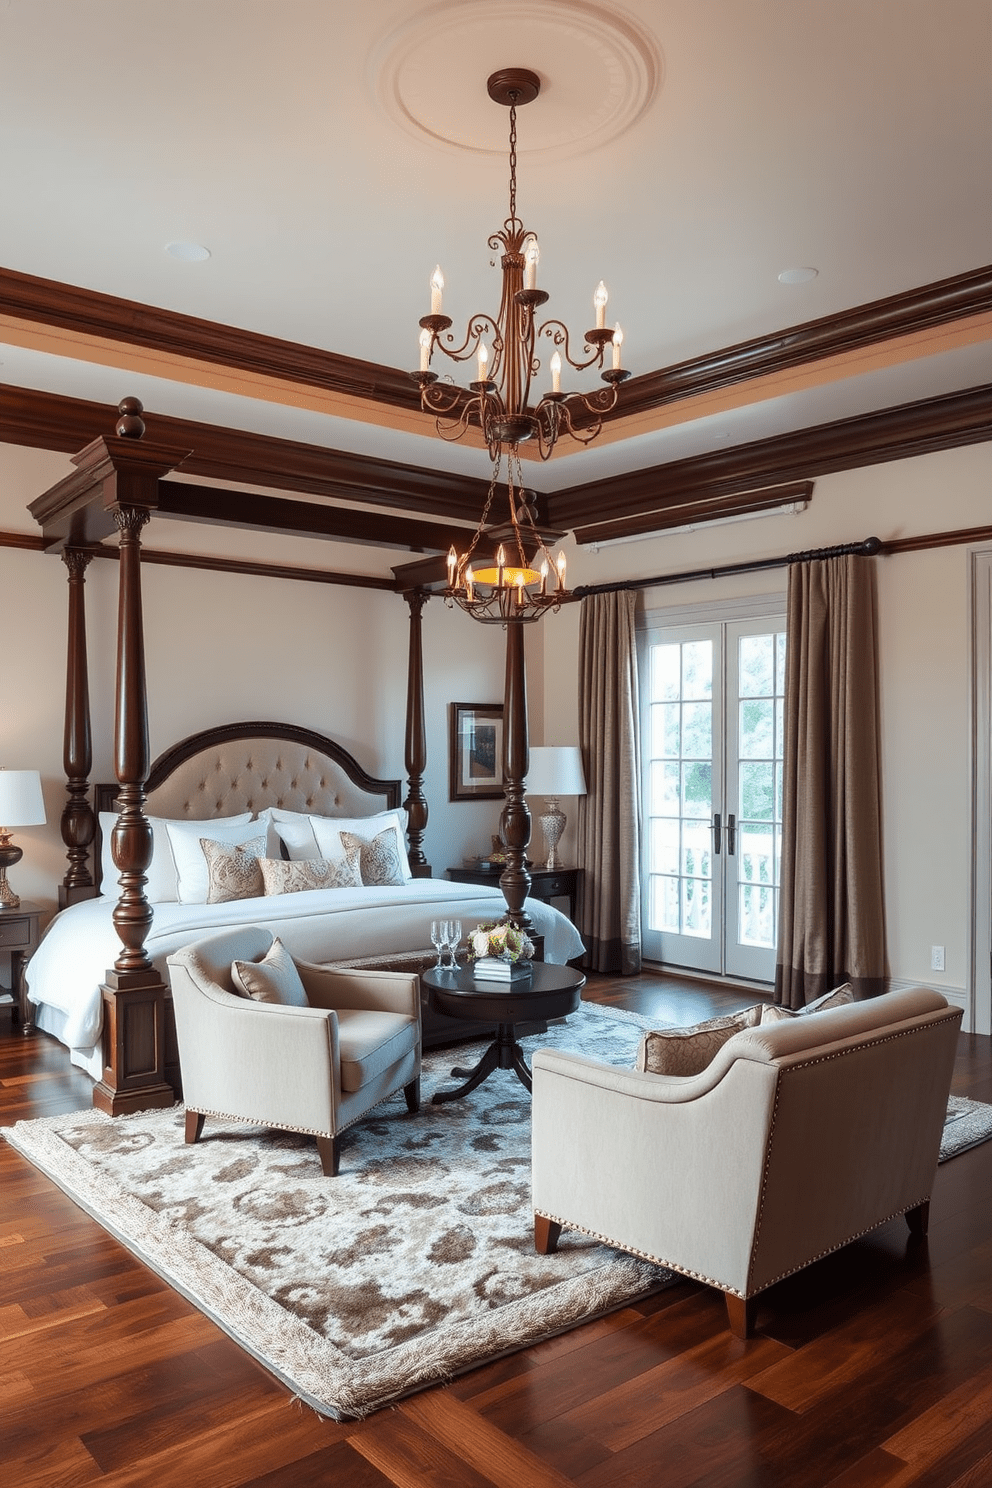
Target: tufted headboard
x=247 y=766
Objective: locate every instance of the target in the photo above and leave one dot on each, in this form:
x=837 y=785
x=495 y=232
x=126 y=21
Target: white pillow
x=327 y=832
x=292 y=828
x=191 y=866
x=162 y=885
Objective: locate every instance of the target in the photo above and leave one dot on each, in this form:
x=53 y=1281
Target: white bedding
x=81 y=944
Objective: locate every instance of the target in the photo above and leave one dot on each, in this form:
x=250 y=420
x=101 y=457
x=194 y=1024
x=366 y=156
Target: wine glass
x=439 y=939
x=454 y=941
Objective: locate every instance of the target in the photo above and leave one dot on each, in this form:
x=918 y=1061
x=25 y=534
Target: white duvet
x=81 y=944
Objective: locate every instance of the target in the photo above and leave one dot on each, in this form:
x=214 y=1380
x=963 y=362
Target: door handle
x=731 y=834
x=716 y=833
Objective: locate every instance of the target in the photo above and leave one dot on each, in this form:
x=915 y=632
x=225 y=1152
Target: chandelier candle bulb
x=617 y=343
x=452 y=564
x=469 y=584
x=556 y=373
x=425 y=350
x=544 y=576
x=437 y=286
x=599 y=299
x=533 y=258
x=483 y=361
x=560 y=566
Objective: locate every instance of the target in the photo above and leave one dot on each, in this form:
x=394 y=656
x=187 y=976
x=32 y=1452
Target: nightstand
x=545 y=883
x=19 y=934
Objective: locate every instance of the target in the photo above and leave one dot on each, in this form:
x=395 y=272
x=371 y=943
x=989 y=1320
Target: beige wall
x=924 y=640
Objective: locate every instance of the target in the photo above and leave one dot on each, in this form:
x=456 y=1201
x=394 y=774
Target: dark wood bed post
x=133 y=993
x=416 y=737
x=515 y=820
x=78 y=821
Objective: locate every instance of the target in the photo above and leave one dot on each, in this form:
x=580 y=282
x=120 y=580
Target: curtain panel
x=831 y=919
x=609 y=912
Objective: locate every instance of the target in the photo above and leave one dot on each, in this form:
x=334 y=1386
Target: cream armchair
x=312 y=1069
x=798 y=1137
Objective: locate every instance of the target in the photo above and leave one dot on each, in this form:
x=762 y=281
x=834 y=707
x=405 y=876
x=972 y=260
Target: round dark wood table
x=549 y=992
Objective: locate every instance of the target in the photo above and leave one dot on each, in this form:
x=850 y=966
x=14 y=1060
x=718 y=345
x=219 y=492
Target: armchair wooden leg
x=740 y=1315
x=330 y=1155
x=546 y=1233
x=412 y=1093
x=918 y=1220
x=194 y=1126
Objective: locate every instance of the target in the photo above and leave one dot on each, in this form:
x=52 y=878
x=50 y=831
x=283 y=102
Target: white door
x=712 y=709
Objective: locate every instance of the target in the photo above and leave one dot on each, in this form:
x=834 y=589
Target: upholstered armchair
x=332 y=1046
x=798 y=1137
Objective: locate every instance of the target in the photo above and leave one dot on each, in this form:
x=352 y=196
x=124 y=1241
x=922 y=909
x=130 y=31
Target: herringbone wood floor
x=872 y=1368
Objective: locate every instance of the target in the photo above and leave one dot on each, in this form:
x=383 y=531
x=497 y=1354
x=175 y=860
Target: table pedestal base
x=503 y=1053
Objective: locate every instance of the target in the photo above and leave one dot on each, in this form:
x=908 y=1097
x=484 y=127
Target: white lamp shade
x=556 y=770
x=21 y=801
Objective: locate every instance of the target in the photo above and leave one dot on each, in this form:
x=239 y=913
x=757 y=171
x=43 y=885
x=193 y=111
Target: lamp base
x=552 y=825
x=9 y=855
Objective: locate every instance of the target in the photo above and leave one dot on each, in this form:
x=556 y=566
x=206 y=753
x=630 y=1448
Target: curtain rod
x=864 y=549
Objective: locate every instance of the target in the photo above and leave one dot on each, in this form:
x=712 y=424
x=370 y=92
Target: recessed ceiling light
x=187 y=252
x=797 y=276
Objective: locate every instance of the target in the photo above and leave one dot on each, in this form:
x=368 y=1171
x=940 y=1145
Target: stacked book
x=491 y=968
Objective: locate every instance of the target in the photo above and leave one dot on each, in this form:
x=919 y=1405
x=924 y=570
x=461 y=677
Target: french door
x=712 y=719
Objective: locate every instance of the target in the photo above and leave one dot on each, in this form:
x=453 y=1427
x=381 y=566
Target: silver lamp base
x=552 y=825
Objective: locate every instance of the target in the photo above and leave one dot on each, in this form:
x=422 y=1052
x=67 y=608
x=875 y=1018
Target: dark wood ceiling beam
x=48 y=302
x=870 y=439
x=225 y=508
x=904 y=314
x=676 y=512
x=47 y=421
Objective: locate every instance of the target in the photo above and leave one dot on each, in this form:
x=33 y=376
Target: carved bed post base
x=133 y=1045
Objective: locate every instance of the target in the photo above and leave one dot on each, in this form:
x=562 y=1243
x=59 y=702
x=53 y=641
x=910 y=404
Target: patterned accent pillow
x=688 y=1051
x=283 y=877
x=233 y=872
x=379 y=860
x=839 y=997
x=273 y=979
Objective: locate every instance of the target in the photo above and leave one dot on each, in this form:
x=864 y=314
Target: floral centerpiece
x=500 y=950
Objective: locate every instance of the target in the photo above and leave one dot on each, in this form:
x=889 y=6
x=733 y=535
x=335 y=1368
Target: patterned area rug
x=967 y=1123
x=415 y=1264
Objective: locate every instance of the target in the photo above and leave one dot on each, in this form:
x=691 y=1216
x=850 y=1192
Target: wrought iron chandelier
x=523 y=580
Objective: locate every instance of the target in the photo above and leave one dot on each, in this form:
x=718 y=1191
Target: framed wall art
x=476 y=752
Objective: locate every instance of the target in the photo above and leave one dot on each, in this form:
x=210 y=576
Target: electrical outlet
x=936 y=958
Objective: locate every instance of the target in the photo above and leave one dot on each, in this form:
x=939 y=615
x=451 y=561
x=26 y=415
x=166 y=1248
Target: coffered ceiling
x=692 y=153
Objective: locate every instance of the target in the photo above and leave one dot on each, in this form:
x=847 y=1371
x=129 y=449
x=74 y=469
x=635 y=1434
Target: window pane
x=697 y=730
x=696 y=907
x=756 y=850
x=664 y=844
x=696 y=846
x=664 y=789
x=757 y=666
x=757 y=728
x=665 y=730
x=756 y=921
x=780 y=654
x=757 y=791
x=665 y=673
x=697 y=669
x=665 y=905
x=697 y=789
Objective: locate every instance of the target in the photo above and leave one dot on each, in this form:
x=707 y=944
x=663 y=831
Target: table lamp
x=555 y=770
x=21 y=805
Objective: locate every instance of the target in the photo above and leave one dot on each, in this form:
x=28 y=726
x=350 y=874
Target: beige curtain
x=831 y=926
x=609 y=814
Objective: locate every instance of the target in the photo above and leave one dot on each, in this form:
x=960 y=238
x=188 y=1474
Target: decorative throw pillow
x=688 y=1051
x=233 y=872
x=191 y=865
x=329 y=834
x=273 y=979
x=378 y=860
x=772 y=1013
x=281 y=877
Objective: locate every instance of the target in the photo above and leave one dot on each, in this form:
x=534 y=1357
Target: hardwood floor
x=872 y=1368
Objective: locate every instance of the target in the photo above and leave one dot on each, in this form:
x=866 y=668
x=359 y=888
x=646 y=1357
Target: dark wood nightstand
x=19 y=934
x=545 y=883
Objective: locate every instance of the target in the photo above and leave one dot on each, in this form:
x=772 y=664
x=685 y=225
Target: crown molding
x=870 y=439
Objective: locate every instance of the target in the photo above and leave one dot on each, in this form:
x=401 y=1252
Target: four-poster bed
x=116 y=487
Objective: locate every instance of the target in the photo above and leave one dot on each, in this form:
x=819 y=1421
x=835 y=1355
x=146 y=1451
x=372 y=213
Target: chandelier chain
x=513 y=159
